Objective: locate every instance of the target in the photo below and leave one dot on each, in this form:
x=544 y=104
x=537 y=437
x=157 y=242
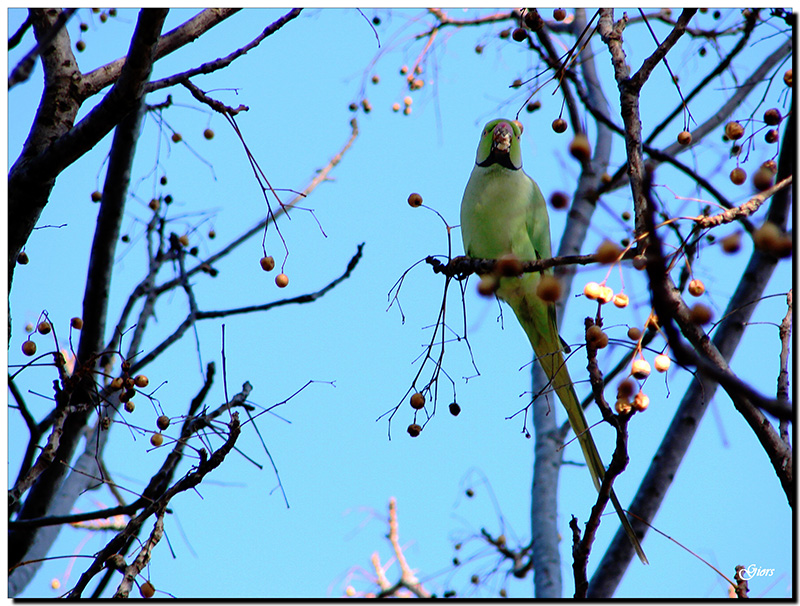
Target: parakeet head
x=500 y=144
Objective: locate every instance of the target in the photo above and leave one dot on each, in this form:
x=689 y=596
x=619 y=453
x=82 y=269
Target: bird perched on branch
x=504 y=213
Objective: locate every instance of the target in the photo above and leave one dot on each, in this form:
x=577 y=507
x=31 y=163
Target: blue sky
x=235 y=537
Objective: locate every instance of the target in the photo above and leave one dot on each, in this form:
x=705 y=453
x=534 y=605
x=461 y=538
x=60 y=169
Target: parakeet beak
x=501 y=138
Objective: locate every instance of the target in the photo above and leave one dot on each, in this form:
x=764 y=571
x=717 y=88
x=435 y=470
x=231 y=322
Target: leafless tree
x=95 y=383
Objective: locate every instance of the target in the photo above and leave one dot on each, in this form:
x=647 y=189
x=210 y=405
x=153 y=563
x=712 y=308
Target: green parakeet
x=503 y=212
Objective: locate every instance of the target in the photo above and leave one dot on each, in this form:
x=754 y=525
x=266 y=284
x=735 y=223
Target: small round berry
x=116 y=383
x=767 y=237
x=154 y=204
x=55 y=584
x=168 y=199
x=608 y=252
x=478 y=49
x=141 y=381
x=622 y=406
x=641 y=401
x=366 y=105
x=787 y=77
x=559 y=125
x=738 y=176
x=403 y=70
x=634 y=333
x=282 y=280
x=696 y=287
x=533 y=19
x=417 y=401
x=103 y=17
x=147 y=590
x=640 y=368
x=407 y=111
x=470 y=493
x=662 y=363
x=549 y=289
x=625 y=389
x=771 y=166
x=84 y=27
x=376 y=78
x=395 y=107
x=772 y=136
x=212 y=234
x=157 y=439
x=592 y=290
x=22 y=258
x=28 y=348
x=734 y=131
x=731 y=243
x=762 y=178
x=621 y=300
x=606 y=295
x=505 y=33
x=407 y=100
x=76 y=323
x=184 y=240
x=508 y=266
x=44 y=327
x=488 y=285
x=96 y=196
x=414 y=430
x=684 y=137
x=533 y=106
x=559 y=200
x=580 y=149
x=700 y=314
x=267 y=263
x=772 y=117
x=559 y=14
x=208 y=134
x=639 y=262
x=177 y=137
x=519 y=34
x=415 y=200
x=80 y=45
x=352 y=107
x=162 y=422
x=455 y=409
x=596 y=338
x=129 y=406
x=163 y=180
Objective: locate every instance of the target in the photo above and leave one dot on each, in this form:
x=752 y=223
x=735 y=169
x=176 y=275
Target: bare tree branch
x=223 y=62
x=23 y=69
x=190 y=480
x=184 y=34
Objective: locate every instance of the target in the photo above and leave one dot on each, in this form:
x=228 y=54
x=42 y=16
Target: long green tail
x=547 y=347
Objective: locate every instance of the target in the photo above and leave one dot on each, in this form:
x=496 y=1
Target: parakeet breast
x=496 y=212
